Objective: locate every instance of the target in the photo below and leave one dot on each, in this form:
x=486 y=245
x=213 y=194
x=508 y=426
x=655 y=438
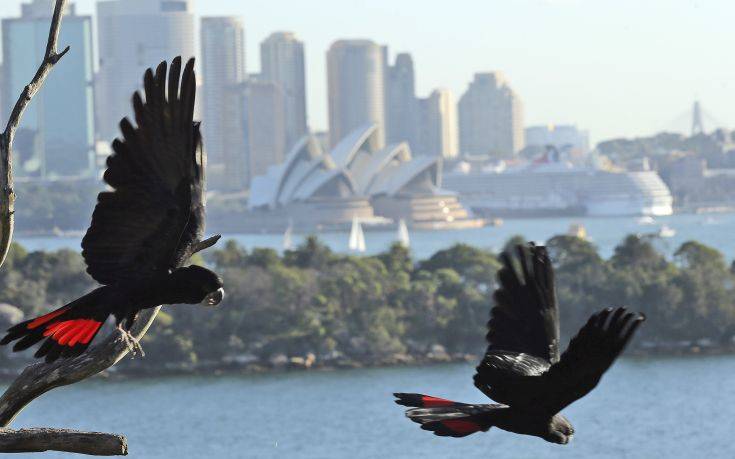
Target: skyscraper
x=402 y=106
x=264 y=125
x=490 y=117
x=355 y=77
x=438 y=128
x=282 y=62
x=223 y=71
x=133 y=36
x=56 y=137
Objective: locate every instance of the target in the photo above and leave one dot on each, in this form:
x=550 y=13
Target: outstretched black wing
x=525 y=318
x=587 y=358
x=524 y=383
x=153 y=217
x=523 y=331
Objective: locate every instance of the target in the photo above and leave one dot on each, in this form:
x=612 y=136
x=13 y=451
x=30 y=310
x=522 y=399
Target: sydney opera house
x=315 y=189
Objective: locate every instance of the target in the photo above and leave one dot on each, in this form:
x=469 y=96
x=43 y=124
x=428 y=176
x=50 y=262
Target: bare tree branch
x=7 y=194
x=41 y=377
x=70 y=441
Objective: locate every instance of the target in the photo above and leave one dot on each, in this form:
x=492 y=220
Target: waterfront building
x=314 y=188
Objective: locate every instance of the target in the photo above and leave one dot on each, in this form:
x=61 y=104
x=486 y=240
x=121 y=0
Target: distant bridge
x=693 y=121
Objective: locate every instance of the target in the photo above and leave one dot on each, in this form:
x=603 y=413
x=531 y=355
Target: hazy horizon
x=617 y=68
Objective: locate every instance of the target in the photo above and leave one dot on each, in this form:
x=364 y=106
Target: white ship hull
x=574 y=191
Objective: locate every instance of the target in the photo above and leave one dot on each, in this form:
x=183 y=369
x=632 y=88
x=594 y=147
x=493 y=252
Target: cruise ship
x=553 y=187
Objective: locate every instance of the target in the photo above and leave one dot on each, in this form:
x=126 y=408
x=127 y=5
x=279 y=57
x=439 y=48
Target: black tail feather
x=447 y=418
x=27 y=341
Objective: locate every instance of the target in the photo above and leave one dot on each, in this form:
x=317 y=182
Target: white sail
x=287 y=239
x=361 y=247
x=666 y=231
x=357 y=237
x=402 y=234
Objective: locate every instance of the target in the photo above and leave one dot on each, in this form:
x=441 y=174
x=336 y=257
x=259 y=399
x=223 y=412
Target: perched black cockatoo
x=522 y=370
x=145 y=228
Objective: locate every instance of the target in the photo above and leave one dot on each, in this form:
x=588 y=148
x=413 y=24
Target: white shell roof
x=354 y=161
x=394 y=178
x=347 y=148
x=379 y=161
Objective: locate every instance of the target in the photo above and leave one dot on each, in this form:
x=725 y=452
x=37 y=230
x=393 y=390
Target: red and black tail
x=67 y=332
x=445 y=417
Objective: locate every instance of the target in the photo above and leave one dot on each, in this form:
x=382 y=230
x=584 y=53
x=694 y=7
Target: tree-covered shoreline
x=312 y=307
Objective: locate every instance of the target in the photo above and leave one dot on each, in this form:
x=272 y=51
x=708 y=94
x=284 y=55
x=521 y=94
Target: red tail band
x=462 y=427
x=38 y=321
x=433 y=402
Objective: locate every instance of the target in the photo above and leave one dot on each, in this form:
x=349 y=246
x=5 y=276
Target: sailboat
x=287 y=240
x=402 y=234
x=357 y=237
x=666 y=231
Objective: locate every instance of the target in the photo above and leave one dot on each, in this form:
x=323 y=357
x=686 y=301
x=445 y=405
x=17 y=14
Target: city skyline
x=57 y=136
x=607 y=59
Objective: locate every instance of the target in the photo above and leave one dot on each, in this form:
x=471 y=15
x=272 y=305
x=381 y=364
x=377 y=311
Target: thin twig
x=50 y=59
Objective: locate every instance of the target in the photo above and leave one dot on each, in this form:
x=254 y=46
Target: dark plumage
x=145 y=228
x=522 y=369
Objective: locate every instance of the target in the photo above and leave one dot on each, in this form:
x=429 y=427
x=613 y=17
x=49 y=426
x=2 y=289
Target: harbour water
x=717 y=230
x=643 y=408
x=654 y=407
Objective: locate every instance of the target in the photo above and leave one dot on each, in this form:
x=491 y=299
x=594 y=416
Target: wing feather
x=589 y=355
x=145 y=225
x=523 y=331
x=525 y=318
x=522 y=367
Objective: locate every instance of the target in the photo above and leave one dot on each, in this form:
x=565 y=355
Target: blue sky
x=616 y=67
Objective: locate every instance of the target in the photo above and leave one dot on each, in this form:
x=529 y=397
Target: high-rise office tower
x=282 y=62
x=264 y=125
x=402 y=106
x=223 y=72
x=355 y=76
x=438 y=128
x=133 y=36
x=490 y=117
x=56 y=137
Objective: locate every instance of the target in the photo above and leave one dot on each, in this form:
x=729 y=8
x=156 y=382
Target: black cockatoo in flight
x=145 y=228
x=522 y=369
